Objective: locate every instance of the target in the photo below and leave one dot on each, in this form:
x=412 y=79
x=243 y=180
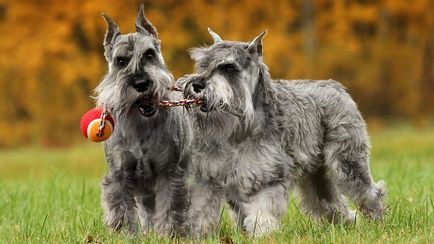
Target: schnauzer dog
x=149 y=150
x=257 y=138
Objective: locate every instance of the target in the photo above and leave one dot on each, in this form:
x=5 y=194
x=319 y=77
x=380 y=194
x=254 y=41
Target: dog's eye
x=122 y=61
x=149 y=54
x=229 y=68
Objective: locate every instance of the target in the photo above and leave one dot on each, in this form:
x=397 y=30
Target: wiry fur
x=257 y=138
x=147 y=155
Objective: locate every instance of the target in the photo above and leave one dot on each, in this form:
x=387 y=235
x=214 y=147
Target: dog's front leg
x=145 y=202
x=207 y=199
x=118 y=193
x=171 y=202
x=264 y=209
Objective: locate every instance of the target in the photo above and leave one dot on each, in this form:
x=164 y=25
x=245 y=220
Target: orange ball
x=92 y=130
x=90 y=122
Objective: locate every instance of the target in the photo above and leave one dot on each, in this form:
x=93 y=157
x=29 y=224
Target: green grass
x=54 y=196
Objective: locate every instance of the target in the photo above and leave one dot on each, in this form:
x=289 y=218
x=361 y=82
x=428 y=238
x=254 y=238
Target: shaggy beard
x=116 y=95
x=215 y=125
x=223 y=120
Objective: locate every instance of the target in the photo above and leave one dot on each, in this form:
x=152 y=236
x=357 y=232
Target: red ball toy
x=90 y=123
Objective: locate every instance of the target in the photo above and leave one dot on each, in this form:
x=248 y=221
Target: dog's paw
x=260 y=225
x=162 y=229
x=115 y=224
x=350 y=217
x=196 y=230
x=146 y=230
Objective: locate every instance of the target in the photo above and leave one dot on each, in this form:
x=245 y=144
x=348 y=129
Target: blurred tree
x=51 y=55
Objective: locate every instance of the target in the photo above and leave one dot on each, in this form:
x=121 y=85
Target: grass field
x=53 y=196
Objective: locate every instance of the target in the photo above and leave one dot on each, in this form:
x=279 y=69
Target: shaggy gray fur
x=150 y=147
x=257 y=138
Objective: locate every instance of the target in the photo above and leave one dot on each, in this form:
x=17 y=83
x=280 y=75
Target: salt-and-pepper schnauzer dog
x=257 y=138
x=150 y=147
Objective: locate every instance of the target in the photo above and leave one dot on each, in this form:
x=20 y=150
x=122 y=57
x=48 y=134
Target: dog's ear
x=214 y=36
x=143 y=25
x=255 y=46
x=110 y=36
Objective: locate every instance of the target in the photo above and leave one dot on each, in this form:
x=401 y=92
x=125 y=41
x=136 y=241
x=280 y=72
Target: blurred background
x=51 y=54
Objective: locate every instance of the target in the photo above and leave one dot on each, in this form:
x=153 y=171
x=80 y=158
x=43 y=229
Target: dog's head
x=226 y=78
x=137 y=78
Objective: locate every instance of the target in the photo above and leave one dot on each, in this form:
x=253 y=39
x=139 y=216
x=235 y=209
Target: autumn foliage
x=51 y=55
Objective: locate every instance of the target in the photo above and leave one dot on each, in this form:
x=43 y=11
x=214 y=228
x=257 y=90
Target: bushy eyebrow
x=229 y=62
x=123 y=49
x=141 y=46
x=211 y=57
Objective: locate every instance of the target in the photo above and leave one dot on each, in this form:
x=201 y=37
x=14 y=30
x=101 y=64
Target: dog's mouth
x=147 y=109
x=207 y=108
x=204 y=107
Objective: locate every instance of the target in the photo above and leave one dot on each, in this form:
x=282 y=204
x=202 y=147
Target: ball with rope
x=97 y=125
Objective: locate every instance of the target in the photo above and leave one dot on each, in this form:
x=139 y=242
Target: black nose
x=142 y=85
x=198 y=85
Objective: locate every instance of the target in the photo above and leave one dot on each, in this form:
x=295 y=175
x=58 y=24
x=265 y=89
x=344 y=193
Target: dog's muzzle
x=196 y=90
x=142 y=85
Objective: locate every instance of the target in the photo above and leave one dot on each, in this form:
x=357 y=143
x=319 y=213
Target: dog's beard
x=215 y=125
x=133 y=111
x=162 y=82
x=119 y=97
x=218 y=118
x=116 y=95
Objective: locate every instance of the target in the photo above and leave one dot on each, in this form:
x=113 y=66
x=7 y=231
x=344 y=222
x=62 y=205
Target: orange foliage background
x=51 y=55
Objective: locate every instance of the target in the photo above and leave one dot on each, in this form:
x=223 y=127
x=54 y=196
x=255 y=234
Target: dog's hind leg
x=265 y=209
x=346 y=154
x=118 y=197
x=321 y=198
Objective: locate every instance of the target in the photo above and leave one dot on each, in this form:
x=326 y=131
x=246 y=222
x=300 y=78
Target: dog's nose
x=198 y=85
x=142 y=85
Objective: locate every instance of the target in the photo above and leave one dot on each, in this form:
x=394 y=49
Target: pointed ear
x=255 y=46
x=143 y=25
x=214 y=36
x=110 y=36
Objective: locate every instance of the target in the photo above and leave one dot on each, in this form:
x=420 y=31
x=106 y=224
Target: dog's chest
x=245 y=168
x=148 y=155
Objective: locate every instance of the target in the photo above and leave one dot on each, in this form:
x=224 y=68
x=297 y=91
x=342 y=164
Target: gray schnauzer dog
x=148 y=152
x=257 y=138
